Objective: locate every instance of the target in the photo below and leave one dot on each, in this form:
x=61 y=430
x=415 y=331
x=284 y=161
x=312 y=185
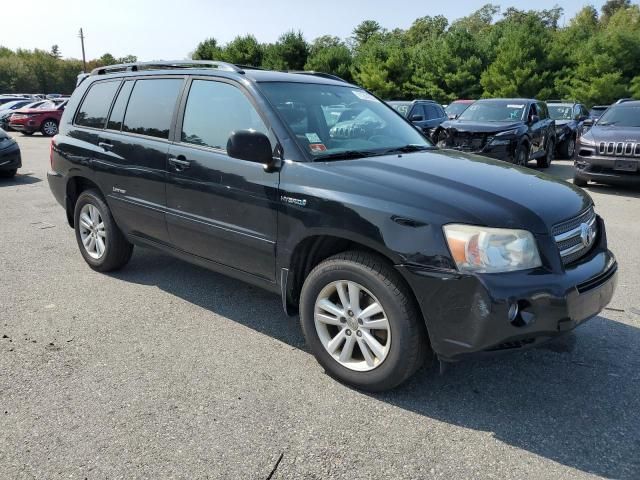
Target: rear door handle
x=105 y=146
x=179 y=163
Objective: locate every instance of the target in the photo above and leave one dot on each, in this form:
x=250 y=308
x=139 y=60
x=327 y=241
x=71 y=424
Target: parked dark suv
x=424 y=114
x=569 y=118
x=609 y=152
x=512 y=129
x=389 y=248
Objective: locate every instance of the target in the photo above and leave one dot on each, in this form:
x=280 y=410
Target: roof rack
x=134 y=67
x=318 y=74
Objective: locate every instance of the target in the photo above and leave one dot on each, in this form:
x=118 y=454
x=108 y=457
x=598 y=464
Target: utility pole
x=84 y=60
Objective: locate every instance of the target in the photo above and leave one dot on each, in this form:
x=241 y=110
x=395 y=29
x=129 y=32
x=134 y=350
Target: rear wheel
x=361 y=322
x=27 y=134
x=49 y=128
x=102 y=244
x=8 y=173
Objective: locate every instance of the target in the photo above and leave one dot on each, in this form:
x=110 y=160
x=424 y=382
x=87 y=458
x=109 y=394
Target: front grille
x=619 y=149
x=576 y=236
x=469 y=141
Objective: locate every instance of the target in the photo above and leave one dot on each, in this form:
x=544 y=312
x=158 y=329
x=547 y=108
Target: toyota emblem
x=586 y=234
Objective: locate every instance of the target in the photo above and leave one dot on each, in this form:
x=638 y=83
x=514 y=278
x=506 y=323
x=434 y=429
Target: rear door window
x=95 y=106
x=214 y=110
x=432 y=112
x=151 y=105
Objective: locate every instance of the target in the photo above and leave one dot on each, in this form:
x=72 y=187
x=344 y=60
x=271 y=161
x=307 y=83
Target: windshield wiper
x=409 y=148
x=346 y=155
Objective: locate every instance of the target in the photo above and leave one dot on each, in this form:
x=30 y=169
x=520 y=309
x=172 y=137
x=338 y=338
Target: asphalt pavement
x=167 y=370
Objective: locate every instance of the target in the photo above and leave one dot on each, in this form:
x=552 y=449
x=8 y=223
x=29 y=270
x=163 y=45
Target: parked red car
x=45 y=118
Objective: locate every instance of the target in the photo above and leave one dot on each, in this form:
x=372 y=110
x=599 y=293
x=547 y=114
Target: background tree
x=331 y=55
x=290 y=52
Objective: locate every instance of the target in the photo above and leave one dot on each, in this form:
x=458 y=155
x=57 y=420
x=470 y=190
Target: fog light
x=513 y=311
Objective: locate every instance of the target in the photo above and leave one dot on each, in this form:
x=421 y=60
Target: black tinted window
x=151 y=107
x=117 y=112
x=214 y=110
x=432 y=112
x=95 y=107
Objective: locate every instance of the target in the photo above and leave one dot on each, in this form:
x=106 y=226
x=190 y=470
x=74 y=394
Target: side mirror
x=453 y=116
x=588 y=122
x=416 y=118
x=251 y=146
x=534 y=119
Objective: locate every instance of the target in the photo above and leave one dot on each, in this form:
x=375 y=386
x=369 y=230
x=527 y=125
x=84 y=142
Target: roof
x=627 y=103
x=406 y=102
x=527 y=100
x=212 y=68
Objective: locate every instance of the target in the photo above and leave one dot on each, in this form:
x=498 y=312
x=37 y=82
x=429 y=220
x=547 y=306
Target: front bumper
x=26 y=125
x=602 y=168
x=504 y=152
x=468 y=315
x=10 y=157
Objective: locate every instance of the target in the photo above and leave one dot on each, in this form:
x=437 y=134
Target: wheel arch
x=75 y=186
x=308 y=253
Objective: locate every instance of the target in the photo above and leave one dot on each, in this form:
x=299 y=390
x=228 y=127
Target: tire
x=580 y=182
x=8 y=173
x=568 y=148
x=27 y=134
x=544 y=162
x=49 y=128
x=405 y=343
x=116 y=250
x=521 y=156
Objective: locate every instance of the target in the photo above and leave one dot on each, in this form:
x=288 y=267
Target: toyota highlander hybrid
x=392 y=251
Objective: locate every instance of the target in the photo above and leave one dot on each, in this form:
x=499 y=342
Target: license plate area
x=625 y=165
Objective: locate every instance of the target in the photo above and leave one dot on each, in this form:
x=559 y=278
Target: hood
x=613 y=134
x=446 y=186
x=562 y=123
x=479 y=127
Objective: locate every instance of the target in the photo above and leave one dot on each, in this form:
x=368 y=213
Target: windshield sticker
x=317 y=147
x=515 y=106
x=362 y=95
x=313 y=138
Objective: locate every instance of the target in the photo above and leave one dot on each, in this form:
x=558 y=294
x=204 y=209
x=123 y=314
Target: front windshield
x=401 y=107
x=621 y=116
x=330 y=120
x=494 y=111
x=9 y=105
x=47 y=106
x=455 y=109
x=561 y=112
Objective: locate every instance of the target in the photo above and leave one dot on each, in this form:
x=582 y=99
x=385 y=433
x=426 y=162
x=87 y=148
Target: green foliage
x=593 y=58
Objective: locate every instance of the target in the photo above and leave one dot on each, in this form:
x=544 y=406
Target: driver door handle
x=179 y=163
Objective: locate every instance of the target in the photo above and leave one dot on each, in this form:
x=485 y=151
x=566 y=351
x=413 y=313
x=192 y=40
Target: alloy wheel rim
x=352 y=325
x=50 y=128
x=92 y=231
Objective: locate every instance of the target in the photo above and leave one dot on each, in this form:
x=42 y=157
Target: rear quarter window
x=95 y=107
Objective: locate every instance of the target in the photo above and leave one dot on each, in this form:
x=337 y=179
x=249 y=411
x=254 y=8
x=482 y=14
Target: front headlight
x=587 y=142
x=491 y=250
x=507 y=133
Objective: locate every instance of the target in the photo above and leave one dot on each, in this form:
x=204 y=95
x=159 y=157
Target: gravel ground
x=166 y=370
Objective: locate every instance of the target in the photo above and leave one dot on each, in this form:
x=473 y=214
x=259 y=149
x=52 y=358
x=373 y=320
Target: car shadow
x=575 y=401
x=19 y=179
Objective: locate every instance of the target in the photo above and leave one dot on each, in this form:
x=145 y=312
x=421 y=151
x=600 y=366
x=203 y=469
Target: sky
x=171 y=29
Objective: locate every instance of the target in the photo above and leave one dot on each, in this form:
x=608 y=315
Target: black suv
x=390 y=249
x=515 y=130
x=609 y=152
x=427 y=115
x=570 y=118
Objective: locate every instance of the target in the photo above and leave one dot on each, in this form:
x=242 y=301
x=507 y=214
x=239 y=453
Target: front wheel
x=568 y=148
x=102 y=244
x=544 y=162
x=521 y=156
x=580 y=182
x=361 y=322
x=8 y=173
